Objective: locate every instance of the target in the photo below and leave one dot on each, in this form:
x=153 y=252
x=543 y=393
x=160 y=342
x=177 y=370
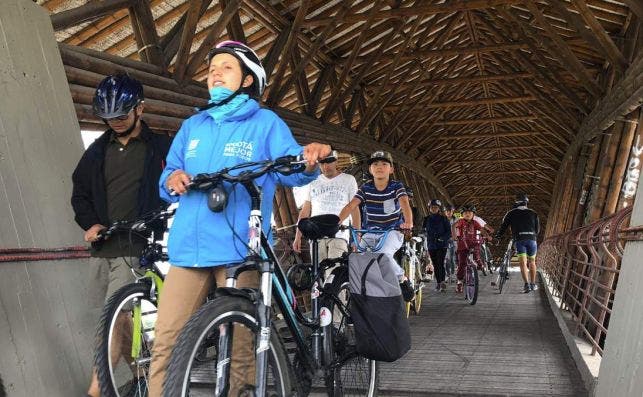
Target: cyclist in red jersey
x=465 y=234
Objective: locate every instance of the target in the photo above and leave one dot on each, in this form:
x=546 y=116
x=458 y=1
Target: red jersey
x=466 y=233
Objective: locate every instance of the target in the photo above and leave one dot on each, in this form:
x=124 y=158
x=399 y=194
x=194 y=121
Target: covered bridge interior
x=477 y=100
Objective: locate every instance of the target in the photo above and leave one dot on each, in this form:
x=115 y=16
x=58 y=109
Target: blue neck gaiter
x=218 y=94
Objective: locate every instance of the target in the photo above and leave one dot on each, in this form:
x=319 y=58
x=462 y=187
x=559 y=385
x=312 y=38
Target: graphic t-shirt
x=381 y=208
x=329 y=196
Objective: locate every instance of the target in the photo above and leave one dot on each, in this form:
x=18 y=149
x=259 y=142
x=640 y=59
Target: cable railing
x=582 y=268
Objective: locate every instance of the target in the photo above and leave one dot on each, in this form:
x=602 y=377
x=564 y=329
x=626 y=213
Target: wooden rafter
x=235 y=27
x=171 y=42
x=87 y=12
x=185 y=43
x=418 y=10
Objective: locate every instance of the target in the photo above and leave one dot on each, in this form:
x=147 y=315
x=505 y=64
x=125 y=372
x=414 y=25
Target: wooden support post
x=149 y=37
x=618 y=174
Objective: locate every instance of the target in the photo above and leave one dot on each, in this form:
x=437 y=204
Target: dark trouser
x=462 y=261
x=437 y=257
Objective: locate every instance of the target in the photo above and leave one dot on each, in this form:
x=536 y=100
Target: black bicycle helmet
x=116 y=96
x=521 y=198
x=449 y=207
x=468 y=207
x=435 y=202
x=249 y=60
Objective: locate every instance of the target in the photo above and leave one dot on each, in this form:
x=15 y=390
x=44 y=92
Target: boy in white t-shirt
x=328 y=194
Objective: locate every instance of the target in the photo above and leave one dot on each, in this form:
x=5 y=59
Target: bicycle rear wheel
x=349 y=374
x=195 y=358
x=503 y=273
x=471 y=284
x=124 y=341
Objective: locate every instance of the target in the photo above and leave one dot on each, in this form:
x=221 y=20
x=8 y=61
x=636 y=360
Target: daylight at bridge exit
x=293 y=198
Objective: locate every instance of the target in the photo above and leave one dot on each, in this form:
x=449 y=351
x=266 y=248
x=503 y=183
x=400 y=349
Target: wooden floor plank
x=505 y=345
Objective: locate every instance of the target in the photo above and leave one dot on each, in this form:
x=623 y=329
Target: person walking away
x=525 y=227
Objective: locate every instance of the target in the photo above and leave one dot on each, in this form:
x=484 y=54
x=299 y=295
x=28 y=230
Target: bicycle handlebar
x=139 y=225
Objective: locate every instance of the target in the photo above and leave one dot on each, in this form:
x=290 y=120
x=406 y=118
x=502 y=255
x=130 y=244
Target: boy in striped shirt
x=385 y=207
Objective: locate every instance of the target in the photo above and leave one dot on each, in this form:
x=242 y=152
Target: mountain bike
x=122 y=363
x=487 y=260
x=503 y=271
x=203 y=358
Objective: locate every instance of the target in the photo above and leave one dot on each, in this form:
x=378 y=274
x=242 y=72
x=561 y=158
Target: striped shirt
x=381 y=209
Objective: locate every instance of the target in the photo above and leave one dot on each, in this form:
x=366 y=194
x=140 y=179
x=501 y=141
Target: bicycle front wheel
x=503 y=274
x=349 y=374
x=471 y=284
x=124 y=341
x=196 y=361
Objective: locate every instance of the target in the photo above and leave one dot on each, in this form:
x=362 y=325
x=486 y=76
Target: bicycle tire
x=407 y=267
x=471 y=285
x=343 y=346
x=502 y=275
x=222 y=310
x=114 y=380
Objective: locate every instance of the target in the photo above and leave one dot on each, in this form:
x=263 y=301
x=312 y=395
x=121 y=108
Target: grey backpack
x=382 y=331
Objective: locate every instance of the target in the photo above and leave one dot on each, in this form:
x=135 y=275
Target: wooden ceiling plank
x=87 y=12
x=312 y=51
x=277 y=48
x=197 y=59
x=616 y=57
x=417 y=10
x=445 y=52
x=352 y=107
x=636 y=7
x=290 y=43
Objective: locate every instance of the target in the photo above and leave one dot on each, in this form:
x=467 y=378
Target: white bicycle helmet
x=247 y=57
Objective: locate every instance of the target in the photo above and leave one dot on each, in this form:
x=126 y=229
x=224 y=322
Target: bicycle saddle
x=319 y=226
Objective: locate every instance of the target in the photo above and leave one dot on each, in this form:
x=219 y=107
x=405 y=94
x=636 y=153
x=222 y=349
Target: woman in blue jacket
x=232 y=129
x=438 y=234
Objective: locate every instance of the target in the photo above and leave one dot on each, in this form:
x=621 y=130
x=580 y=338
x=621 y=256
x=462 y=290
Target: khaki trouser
x=331 y=248
x=184 y=291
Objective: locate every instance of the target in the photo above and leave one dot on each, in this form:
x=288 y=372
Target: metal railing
x=582 y=268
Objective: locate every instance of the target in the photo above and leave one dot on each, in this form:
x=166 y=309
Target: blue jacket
x=202 y=238
x=438 y=231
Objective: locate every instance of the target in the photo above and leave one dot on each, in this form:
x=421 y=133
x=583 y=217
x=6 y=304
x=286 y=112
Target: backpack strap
x=365 y=273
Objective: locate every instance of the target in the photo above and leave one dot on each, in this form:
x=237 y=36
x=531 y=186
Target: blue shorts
x=527 y=247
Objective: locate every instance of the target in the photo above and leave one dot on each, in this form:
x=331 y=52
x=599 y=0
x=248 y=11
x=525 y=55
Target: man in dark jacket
x=438 y=233
x=525 y=227
x=117 y=179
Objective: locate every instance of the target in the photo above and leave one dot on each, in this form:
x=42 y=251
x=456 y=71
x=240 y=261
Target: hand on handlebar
x=177 y=182
x=316 y=151
x=93 y=233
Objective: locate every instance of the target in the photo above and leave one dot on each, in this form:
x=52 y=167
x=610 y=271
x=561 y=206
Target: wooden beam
x=318 y=90
x=235 y=27
x=335 y=97
x=470 y=79
x=290 y=43
x=87 y=12
x=470 y=103
x=270 y=61
x=484 y=135
x=616 y=58
x=576 y=21
x=210 y=40
x=491 y=148
x=493 y=161
x=569 y=60
x=352 y=107
x=636 y=7
x=446 y=52
x=312 y=51
x=486 y=121
x=185 y=44
x=418 y=10
x=149 y=36
x=171 y=41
